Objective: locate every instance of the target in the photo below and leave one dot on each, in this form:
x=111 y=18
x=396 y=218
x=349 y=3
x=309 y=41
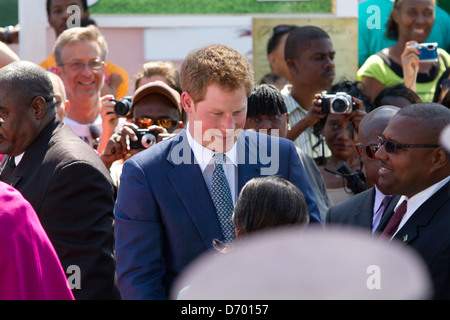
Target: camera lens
x=339 y=106
x=122 y=107
x=148 y=140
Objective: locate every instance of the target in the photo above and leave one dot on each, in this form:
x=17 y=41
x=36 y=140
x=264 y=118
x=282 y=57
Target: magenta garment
x=29 y=266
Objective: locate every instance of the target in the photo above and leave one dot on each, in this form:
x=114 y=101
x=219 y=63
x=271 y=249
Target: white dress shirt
x=418 y=199
x=204 y=158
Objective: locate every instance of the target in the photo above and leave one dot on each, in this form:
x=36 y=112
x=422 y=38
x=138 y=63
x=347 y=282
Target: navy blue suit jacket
x=164 y=213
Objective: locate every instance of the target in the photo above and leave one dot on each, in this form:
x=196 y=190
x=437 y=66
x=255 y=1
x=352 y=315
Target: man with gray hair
x=61 y=176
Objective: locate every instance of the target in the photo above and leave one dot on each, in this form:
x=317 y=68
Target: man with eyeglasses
x=156 y=111
x=365 y=209
x=61 y=176
x=80 y=54
x=414 y=164
x=59 y=17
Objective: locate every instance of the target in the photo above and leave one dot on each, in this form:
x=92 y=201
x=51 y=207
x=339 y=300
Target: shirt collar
x=204 y=156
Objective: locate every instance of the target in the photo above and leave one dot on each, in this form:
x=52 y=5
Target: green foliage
x=208 y=7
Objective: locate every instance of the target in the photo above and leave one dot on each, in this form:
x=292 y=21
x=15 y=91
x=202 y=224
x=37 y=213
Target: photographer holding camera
x=342 y=171
x=409 y=59
x=153 y=113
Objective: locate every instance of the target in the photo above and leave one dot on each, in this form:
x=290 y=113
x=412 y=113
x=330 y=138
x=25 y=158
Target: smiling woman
x=410 y=23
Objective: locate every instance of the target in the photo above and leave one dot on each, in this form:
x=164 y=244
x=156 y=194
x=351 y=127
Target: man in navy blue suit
x=165 y=214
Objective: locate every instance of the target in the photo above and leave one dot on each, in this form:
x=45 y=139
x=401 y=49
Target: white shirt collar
x=18 y=158
x=203 y=156
x=418 y=199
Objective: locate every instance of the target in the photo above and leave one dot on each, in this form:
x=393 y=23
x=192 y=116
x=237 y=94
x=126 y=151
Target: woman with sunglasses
x=410 y=23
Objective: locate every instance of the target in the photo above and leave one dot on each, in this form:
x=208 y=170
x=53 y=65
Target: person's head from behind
x=27 y=105
x=275 y=50
x=411 y=157
x=58 y=13
x=269 y=202
x=276 y=79
x=216 y=81
x=411 y=20
x=62 y=104
x=266 y=111
x=80 y=55
x=397 y=95
x=164 y=71
x=309 y=55
x=370 y=127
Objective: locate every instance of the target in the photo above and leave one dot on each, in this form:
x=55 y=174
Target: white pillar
x=33 y=30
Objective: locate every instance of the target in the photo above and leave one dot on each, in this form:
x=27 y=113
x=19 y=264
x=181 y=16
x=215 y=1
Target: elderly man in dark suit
x=415 y=165
x=366 y=208
x=61 y=176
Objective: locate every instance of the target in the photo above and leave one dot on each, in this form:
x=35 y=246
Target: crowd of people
x=119 y=194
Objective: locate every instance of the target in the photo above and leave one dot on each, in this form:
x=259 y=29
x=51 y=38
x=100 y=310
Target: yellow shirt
x=111 y=68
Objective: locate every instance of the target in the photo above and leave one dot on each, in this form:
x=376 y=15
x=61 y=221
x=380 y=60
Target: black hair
x=265 y=99
x=438 y=90
x=300 y=37
x=277 y=33
x=398 y=90
x=83 y=3
x=268 y=202
x=28 y=81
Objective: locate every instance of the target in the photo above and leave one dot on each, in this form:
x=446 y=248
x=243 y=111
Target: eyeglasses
x=391 y=146
x=1 y=122
x=370 y=150
x=79 y=65
x=146 y=122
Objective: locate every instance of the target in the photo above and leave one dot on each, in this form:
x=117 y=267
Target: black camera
x=356 y=181
x=123 y=106
x=146 y=139
x=340 y=103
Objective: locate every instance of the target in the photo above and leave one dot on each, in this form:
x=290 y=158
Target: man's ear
x=38 y=106
x=292 y=65
x=187 y=102
x=440 y=159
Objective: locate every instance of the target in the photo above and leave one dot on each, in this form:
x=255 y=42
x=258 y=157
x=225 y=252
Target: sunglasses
x=391 y=146
x=146 y=122
x=370 y=150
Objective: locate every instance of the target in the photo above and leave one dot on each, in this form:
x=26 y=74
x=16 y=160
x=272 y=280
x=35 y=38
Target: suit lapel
x=187 y=180
x=423 y=215
x=365 y=213
x=248 y=160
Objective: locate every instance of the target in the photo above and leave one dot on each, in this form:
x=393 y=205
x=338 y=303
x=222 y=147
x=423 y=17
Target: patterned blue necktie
x=221 y=197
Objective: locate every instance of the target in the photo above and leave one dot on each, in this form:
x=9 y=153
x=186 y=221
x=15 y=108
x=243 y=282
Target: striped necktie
x=394 y=222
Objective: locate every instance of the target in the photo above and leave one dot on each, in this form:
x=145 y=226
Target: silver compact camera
x=340 y=103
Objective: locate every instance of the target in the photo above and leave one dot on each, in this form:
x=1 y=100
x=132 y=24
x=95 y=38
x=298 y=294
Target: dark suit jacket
x=72 y=192
x=358 y=210
x=428 y=231
x=164 y=213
